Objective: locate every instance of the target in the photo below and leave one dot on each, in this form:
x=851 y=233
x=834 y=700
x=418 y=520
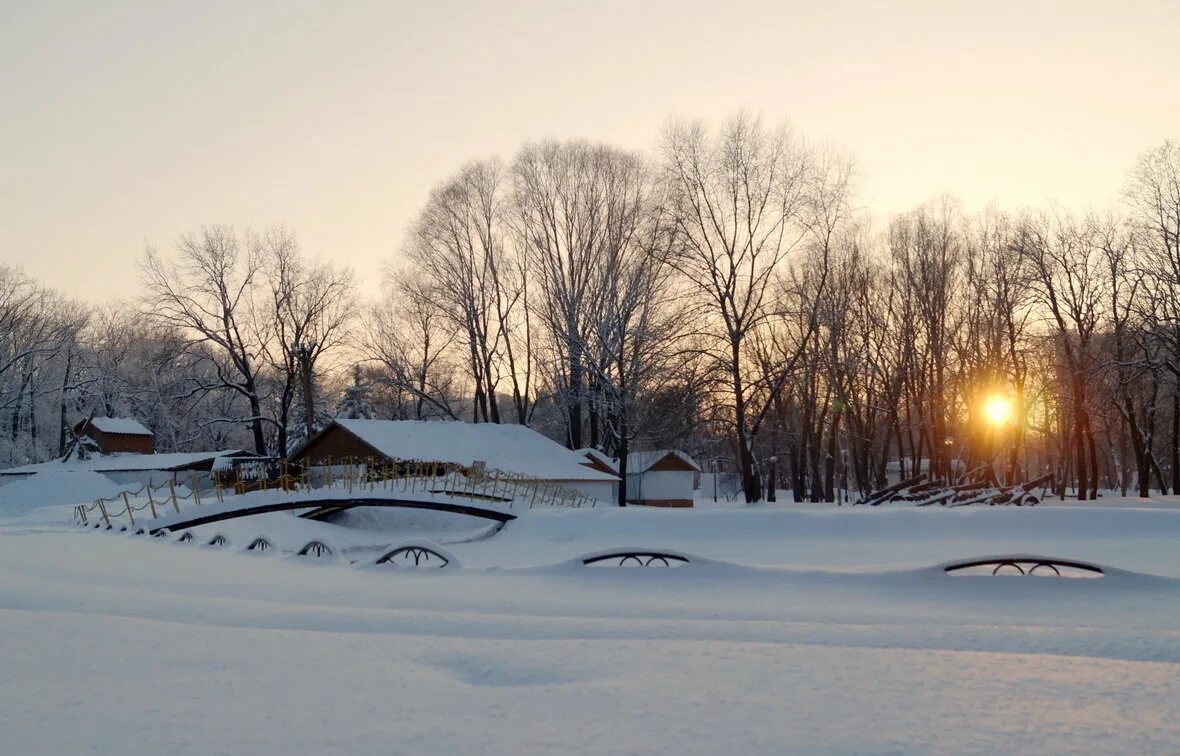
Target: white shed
x=661 y=478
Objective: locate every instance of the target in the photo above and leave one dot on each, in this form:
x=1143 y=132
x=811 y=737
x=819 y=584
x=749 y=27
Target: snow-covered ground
x=802 y=629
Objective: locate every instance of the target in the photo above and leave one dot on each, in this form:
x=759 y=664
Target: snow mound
x=46 y=489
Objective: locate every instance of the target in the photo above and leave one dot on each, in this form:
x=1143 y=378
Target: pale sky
x=123 y=123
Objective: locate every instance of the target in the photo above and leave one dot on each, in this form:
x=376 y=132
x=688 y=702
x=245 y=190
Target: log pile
x=983 y=490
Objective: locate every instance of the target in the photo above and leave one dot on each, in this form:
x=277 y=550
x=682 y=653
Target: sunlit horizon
x=135 y=123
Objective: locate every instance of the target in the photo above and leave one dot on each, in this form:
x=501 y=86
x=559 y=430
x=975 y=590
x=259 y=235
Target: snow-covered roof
x=55 y=487
x=124 y=462
x=600 y=456
x=508 y=448
x=638 y=462
x=125 y=426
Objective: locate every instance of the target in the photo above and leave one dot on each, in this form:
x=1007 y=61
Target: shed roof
x=599 y=456
x=126 y=462
x=508 y=448
x=639 y=462
x=124 y=426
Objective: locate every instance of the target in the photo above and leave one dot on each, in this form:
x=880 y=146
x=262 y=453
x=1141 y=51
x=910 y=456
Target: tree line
x=723 y=295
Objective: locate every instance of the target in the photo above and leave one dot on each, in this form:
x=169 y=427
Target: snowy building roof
x=126 y=463
x=125 y=426
x=640 y=462
x=50 y=488
x=599 y=456
x=508 y=448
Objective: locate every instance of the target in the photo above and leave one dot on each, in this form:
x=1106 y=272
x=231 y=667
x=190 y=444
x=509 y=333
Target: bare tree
x=927 y=248
x=304 y=311
x=406 y=338
x=1153 y=194
x=206 y=293
x=575 y=204
x=1068 y=274
x=739 y=198
x=39 y=330
x=458 y=242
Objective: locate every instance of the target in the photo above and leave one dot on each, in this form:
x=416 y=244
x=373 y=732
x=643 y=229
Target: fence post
x=127 y=503
x=103 y=508
x=151 y=499
x=172 y=490
x=192 y=479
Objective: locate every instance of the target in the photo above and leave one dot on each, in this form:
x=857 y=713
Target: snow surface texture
x=792 y=630
x=510 y=448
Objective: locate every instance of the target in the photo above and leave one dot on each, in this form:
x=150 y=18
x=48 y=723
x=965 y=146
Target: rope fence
x=348 y=473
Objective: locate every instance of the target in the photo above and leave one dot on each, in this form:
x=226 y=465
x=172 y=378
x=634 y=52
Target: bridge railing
x=350 y=473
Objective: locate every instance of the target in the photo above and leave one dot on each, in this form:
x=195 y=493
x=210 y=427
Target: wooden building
x=513 y=449
x=116 y=435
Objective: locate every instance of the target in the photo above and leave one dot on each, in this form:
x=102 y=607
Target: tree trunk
x=1176 y=441
x=1093 y=459
x=622 y=450
x=65 y=379
x=574 y=404
x=830 y=462
x=1079 y=435
x=256 y=421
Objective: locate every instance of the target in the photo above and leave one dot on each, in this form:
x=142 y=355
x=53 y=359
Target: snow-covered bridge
x=318 y=503
x=491 y=497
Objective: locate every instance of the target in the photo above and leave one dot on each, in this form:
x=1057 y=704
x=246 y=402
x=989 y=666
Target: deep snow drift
x=798 y=629
x=55 y=488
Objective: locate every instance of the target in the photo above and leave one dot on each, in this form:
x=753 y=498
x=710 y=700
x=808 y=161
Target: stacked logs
x=964 y=493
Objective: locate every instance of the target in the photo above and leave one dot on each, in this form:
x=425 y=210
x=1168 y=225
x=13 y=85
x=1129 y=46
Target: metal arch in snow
x=316 y=549
x=261 y=543
x=420 y=555
x=637 y=558
x=323 y=507
x=1025 y=565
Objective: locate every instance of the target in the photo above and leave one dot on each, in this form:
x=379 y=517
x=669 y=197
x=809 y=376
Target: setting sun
x=997 y=410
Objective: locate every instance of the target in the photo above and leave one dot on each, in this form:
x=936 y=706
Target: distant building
x=507 y=448
x=116 y=435
x=662 y=478
x=141 y=468
x=598 y=460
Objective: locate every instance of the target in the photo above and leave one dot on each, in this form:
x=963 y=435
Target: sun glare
x=997 y=410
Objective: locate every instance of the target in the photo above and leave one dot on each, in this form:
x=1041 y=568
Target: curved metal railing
x=350 y=473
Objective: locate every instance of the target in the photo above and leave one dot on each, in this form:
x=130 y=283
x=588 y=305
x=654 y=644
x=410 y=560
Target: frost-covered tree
x=356 y=402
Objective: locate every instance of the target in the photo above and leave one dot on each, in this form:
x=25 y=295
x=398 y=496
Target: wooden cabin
x=507 y=448
x=116 y=435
